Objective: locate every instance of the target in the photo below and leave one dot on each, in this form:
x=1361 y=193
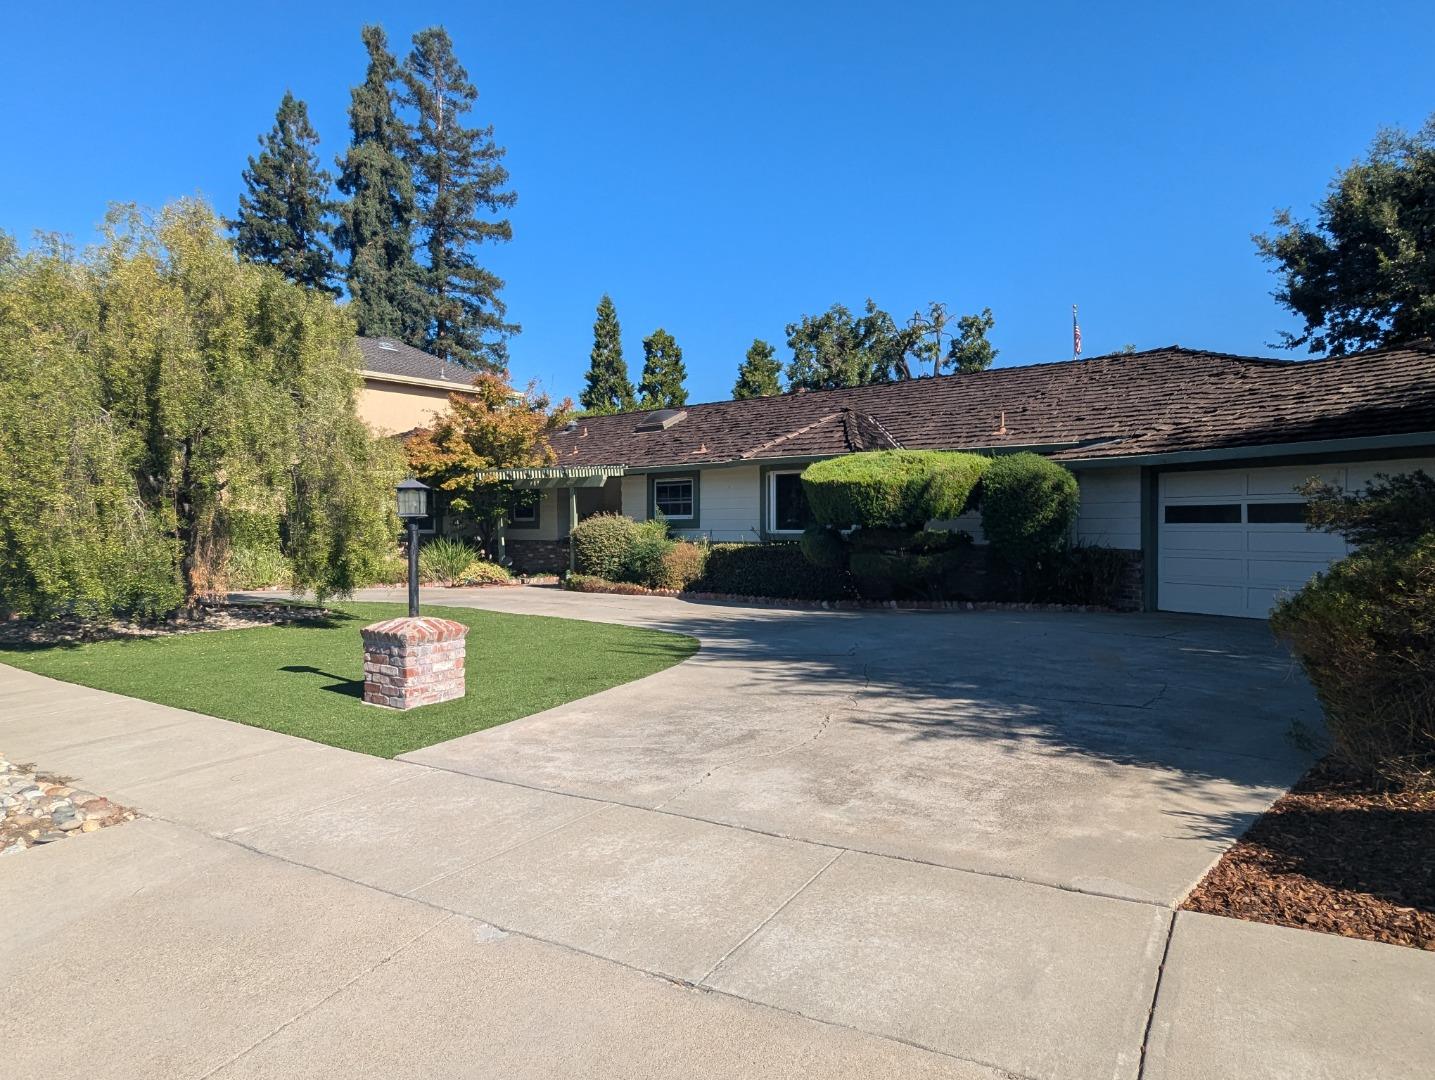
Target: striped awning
x=557 y=476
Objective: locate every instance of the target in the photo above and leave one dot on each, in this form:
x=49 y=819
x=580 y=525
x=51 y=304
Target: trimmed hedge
x=777 y=571
x=1029 y=506
x=824 y=548
x=682 y=565
x=901 y=489
x=601 y=544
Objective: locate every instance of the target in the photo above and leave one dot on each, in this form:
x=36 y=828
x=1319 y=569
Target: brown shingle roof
x=388 y=356
x=1160 y=401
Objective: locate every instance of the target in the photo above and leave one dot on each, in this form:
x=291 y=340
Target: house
x=1188 y=459
x=405 y=387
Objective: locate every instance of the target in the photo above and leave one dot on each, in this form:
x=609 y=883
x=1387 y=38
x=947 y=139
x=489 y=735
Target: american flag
x=1075 y=334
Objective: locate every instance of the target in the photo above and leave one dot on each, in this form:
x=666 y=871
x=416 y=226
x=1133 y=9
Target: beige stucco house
x=405 y=387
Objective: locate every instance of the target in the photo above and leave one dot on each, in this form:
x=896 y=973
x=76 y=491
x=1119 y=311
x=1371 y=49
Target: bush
x=824 y=548
x=901 y=489
x=1029 y=506
x=391 y=569
x=644 y=561
x=1091 y=575
x=1394 y=511
x=443 y=561
x=934 y=575
x=777 y=571
x=682 y=565
x=601 y=544
x=1364 y=631
x=257 y=568
x=483 y=572
x=591 y=583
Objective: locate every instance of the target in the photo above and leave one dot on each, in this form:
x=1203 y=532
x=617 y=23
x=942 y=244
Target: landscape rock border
x=39 y=808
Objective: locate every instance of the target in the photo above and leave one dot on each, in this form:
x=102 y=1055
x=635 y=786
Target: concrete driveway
x=831 y=844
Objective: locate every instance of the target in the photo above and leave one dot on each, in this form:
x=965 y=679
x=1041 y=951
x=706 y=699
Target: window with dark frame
x=790 y=510
x=524 y=513
x=674 y=498
x=1276 y=513
x=1204 y=514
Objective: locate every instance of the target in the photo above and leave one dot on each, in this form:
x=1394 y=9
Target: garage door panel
x=1196 y=571
x=1204 y=599
x=1268 y=539
x=1188 y=485
x=1359 y=476
x=1202 y=538
x=1260 y=601
x=1286 y=481
x=1284 y=572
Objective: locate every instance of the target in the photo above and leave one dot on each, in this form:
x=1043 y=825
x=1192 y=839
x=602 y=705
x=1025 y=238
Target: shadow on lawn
x=353 y=688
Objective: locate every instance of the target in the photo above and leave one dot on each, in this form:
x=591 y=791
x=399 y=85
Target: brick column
x=412 y=662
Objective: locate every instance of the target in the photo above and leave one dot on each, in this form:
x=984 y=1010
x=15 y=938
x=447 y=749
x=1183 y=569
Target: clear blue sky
x=722 y=168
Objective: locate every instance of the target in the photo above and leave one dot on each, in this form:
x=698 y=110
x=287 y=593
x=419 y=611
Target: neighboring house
x=405 y=387
x=1189 y=458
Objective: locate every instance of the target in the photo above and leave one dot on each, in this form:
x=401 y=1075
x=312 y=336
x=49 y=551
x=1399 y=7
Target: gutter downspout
x=572 y=520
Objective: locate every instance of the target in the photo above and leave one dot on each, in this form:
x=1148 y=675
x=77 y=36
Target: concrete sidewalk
x=657 y=881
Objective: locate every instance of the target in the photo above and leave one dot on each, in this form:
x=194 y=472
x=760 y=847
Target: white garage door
x=1231 y=541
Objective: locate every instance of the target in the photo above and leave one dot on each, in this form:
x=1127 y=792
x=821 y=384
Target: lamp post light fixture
x=413 y=505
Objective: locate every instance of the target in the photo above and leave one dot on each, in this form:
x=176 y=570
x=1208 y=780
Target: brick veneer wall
x=412 y=662
x=536 y=556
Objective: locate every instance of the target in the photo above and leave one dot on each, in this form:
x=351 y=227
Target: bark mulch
x=1336 y=855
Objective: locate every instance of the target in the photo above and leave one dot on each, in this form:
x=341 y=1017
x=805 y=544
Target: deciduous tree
x=608 y=388
x=837 y=349
x=282 y=210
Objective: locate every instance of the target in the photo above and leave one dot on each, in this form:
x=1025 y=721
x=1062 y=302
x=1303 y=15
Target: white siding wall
x=1110 y=508
x=635 y=497
x=729 y=503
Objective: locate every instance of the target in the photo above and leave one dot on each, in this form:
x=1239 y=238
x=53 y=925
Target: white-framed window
x=675 y=497
x=787 y=509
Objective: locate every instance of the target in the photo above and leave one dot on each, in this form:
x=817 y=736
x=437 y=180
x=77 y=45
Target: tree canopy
x=661 y=386
x=1363 y=275
x=377 y=220
x=462 y=193
x=608 y=388
x=757 y=376
x=285 y=202
x=156 y=393
x=837 y=349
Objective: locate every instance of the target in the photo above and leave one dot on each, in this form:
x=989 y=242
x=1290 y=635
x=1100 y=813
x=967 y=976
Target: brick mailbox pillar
x=412 y=662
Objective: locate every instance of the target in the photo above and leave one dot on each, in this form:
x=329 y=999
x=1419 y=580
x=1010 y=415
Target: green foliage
x=461 y=186
x=776 y=571
x=683 y=564
x=1029 y=506
x=258 y=568
x=483 y=572
x=1090 y=575
x=591 y=583
x=824 y=548
x=1364 y=274
x=1363 y=632
x=444 y=560
x=285 y=201
x=758 y=374
x=601 y=544
x=1392 y=512
x=152 y=390
x=661 y=386
x=376 y=222
x=608 y=389
x=901 y=489
x=933 y=574
x=970 y=350
x=837 y=349
x=645 y=560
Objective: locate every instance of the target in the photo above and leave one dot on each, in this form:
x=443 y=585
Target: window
x=1204 y=514
x=524 y=514
x=675 y=497
x=787 y=509
x=1276 y=513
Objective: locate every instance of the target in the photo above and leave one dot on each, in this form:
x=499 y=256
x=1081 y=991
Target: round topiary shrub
x=1029 y=506
x=601 y=544
x=900 y=489
x=825 y=548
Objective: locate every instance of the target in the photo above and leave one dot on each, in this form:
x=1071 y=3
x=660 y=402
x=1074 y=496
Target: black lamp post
x=413 y=506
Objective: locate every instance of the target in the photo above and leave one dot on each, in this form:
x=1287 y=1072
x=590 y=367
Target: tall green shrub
x=601 y=544
x=901 y=489
x=1029 y=506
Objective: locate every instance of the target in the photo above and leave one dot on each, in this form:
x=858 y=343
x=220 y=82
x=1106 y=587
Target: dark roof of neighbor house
x=389 y=356
x=1160 y=401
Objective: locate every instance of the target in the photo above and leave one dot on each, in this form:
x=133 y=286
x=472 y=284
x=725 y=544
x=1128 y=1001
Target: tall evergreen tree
x=460 y=179
x=663 y=373
x=757 y=375
x=609 y=390
x=286 y=199
x=376 y=223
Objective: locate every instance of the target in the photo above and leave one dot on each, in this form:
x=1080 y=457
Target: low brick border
x=413 y=662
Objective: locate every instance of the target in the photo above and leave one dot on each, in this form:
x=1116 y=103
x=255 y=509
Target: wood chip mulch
x=1336 y=855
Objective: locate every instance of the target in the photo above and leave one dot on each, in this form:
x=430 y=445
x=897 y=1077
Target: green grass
x=307 y=679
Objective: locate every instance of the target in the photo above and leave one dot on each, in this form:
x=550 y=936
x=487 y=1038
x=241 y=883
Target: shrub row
x=777 y=571
x=615 y=548
x=902 y=489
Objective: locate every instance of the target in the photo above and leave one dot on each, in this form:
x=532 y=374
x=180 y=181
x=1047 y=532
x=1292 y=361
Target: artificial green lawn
x=307 y=679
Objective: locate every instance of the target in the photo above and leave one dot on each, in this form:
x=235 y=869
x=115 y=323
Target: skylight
x=661 y=420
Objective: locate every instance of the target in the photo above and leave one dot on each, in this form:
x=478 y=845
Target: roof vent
x=661 y=420
x=570 y=427
x=388 y=346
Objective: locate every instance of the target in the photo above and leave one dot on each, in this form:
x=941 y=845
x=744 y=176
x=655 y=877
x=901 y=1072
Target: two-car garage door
x=1231 y=541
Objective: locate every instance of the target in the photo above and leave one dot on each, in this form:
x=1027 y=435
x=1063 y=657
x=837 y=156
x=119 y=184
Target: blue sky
x=721 y=169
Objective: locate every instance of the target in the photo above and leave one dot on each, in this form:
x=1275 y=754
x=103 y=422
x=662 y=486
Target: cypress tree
x=376 y=223
x=609 y=389
x=460 y=180
x=663 y=373
x=286 y=198
x=757 y=375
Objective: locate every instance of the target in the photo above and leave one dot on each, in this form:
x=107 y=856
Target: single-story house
x=1188 y=459
x=404 y=388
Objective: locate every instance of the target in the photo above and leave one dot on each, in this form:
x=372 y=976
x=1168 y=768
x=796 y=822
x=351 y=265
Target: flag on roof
x=1075 y=334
